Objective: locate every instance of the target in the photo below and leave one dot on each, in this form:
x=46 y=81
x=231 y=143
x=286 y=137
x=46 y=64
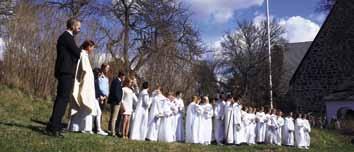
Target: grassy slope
x=21 y=130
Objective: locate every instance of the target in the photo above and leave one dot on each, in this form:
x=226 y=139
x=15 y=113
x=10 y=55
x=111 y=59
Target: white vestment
x=272 y=129
x=229 y=123
x=288 y=131
x=196 y=124
x=140 y=121
x=252 y=129
x=206 y=124
x=179 y=120
x=260 y=127
x=166 y=129
x=300 y=133
x=189 y=122
x=280 y=124
x=154 y=116
x=268 y=128
x=83 y=108
x=219 y=123
x=307 y=132
x=239 y=131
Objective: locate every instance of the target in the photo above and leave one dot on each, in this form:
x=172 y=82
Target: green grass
x=21 y=129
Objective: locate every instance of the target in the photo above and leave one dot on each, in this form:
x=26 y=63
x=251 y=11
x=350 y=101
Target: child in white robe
x=206 y=122
x=140 y=122
x=229 y=120
x=288 y=130
x=196 y=123
x=261 y=126
x=166 y=130
x=250 y=129
x=155 y=114
x=272 y=127
x=280 y=124
x=190 y=119
x=300 y=141
x=179 y=117
x=239 y=131
x=83 y=109
x=307 y=129
x=219 y=124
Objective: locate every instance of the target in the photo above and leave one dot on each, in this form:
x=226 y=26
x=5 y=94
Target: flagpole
x=269 y=58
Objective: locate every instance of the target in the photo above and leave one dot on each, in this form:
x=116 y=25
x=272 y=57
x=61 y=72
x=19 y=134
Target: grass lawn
x=22 y=119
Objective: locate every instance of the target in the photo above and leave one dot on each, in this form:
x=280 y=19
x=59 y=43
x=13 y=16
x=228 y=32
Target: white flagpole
x=270 y=59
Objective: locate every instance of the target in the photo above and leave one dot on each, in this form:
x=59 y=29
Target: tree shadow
x=18 y=125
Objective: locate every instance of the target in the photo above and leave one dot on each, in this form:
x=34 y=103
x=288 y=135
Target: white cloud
x=220 y=11
x=299 y=29
x=2 y=47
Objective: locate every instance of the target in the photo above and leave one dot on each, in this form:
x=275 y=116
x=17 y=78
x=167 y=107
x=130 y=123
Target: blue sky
x=215 y=17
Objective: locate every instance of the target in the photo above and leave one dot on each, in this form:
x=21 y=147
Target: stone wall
x=328 y=63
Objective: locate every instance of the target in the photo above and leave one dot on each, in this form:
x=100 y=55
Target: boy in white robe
x=206 y=121
x=219 y=124
x=238 y=126
x=179 y=117
x=229 y=128
x=197 y=111
x=83 y=109
x=307 y=129
x=272 y=127
x=268 y=128
x=300 y=132
x=260 y=126
x=155 y=114
x=248 y=121
x=166 y=130
x=280 y=124
x=288 y=130
x=140 y=122
x=190 y=119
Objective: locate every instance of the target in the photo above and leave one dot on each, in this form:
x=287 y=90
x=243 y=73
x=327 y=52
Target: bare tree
x=246 y=55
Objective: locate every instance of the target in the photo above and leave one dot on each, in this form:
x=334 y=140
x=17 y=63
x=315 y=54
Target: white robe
x=307 y=132
x=173 y=117
x=196 y=137
x=189 y=122
x=229 y=122
x=280 y=124
x=239 y=131
x=272 y=129
x=268 y=129
x=83 y=108
x=140 y=121
x=219 y=123
x=179 y=120
x=206 y=124
x=248 y=121
x=300 y=133
x=166 y=129
x=154 y=116
x=252 y=129
x=288 y=131
x=260 y=127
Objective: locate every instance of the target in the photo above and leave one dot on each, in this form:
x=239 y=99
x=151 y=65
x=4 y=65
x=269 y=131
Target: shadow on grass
x=18 y=125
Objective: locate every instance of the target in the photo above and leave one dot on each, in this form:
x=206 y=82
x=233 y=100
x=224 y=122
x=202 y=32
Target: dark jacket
x=97 y=89
x=68 y=53
x=115 y=92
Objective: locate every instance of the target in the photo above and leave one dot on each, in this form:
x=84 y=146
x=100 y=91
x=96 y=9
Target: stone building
x=326 y=72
